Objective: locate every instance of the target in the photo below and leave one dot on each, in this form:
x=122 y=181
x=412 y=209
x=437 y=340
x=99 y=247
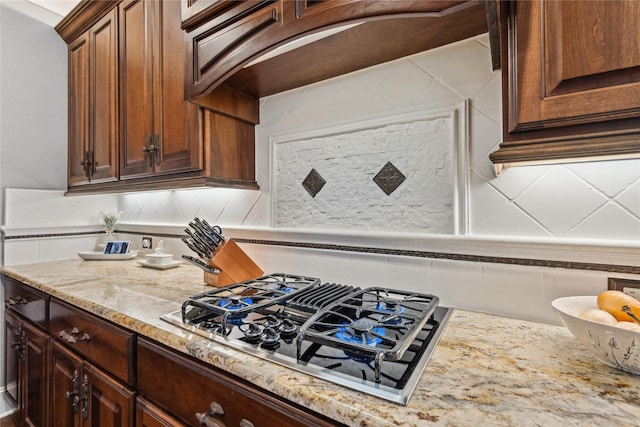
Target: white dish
x=171 y=264
x=99 y=256
x=611 y=345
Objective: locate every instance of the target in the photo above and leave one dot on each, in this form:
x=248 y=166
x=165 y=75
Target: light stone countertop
x=487 y=370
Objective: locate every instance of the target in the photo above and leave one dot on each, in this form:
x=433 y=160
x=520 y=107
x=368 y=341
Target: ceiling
x=59 y=7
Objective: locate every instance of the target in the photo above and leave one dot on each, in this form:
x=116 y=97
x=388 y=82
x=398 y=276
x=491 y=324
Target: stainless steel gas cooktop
x=375 y=340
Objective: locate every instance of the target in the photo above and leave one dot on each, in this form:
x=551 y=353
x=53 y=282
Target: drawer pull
x=246 y=423
x=206 y=418
x=74 y=336
x=17 y=300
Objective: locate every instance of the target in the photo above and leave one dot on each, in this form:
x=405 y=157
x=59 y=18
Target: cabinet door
x=577 y=61
x=103 y=43
x=78 y=172
x=160 y=129
x=14 y=354
x=36 y=371
x=570 y=80
x=137 y=94
x=27 y=369
x=107 y=402
x=66 y=380
x=93 y=114
x=83 y=395
x=178 y=124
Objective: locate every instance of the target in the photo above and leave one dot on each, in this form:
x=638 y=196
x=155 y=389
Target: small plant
x=109 y=219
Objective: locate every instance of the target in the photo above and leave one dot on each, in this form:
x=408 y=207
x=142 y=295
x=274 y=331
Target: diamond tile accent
x=389 y=178
x=313 y=183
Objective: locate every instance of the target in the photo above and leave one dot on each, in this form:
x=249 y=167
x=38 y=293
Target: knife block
x=234 y=264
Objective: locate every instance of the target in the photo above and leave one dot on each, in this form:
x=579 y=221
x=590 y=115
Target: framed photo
x=116 y=247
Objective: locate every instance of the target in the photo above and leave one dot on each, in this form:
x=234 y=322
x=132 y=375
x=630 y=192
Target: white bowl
x=158 y=259
x=613 y=346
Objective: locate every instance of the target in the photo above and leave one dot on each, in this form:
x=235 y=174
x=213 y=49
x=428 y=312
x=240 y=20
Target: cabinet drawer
x=106 y=345
x=184 y=387
x=31 y=303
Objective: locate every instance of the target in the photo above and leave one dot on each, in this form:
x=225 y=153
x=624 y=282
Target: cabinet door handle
x=246 y=423
x=85 y=397
x=73 y=394
x=88 y=164
x=152 y=151
x=19 y=345
x=17 y=300
x=207 y=419
x=158 y=147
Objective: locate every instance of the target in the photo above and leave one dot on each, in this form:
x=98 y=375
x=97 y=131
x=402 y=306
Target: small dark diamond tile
x=313 y=183
x=389 y=178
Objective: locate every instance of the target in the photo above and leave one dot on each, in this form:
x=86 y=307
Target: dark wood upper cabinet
x=130 y=127
x=93 y=104
x=571 y=80
x=160 y=131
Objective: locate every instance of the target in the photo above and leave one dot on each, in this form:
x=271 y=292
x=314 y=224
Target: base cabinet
x=83 y=395
x=26 y=368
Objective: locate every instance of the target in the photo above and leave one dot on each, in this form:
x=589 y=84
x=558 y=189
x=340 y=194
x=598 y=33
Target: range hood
x=329 y=51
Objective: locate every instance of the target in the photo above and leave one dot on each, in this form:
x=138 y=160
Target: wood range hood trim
x=364 y=43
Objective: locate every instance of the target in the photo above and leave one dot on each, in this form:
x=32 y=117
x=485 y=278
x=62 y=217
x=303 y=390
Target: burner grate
x=374 y=324
x=313 y=299
x=237 y=300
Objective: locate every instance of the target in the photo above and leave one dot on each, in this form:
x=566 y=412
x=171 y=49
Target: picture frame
x=116 y=247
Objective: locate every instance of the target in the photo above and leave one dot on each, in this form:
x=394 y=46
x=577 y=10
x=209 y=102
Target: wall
x=33 y=92
x=33 y=108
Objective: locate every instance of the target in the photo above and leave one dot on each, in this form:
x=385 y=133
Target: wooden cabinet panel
x=83 y=395
x=26 y=369
x=150 y=415
x=66 y=379
x=203 y=390
x=107 y=345
x=103 y=43
x=108 y=402
x=78 y=111
x=179 y=121
x=93 y=114
x=36 y=376
x=571 y=80
x=160 y=130
x=137 y=88
x=196 y=12
x=29 y=302
x=14 y=353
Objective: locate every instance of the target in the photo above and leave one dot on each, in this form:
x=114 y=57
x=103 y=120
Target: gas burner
x=235 y=303
x=362 y=331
